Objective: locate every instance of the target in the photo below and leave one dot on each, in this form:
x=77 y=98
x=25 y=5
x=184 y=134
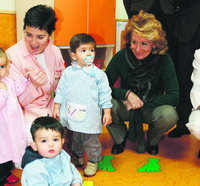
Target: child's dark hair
x=47 y=123
x=41 y=17
x=81 y=38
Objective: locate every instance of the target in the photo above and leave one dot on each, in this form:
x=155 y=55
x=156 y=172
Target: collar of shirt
x=87 y=69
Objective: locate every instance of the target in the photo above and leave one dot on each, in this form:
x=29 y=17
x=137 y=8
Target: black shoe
x=199 y=155
x=153 y=150
x=178 y=132
x=117 y=149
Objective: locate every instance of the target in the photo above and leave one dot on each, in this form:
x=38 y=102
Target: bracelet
x=127 y=94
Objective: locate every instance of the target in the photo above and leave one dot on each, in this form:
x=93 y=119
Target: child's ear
x=73 y=55
x=62 y=141
x=33 y=146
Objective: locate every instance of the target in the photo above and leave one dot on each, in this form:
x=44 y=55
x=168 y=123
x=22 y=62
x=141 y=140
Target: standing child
x=82 y=93
x=45 y=162
x=12 y=124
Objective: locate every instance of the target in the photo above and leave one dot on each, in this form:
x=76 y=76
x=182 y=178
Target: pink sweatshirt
x=12 y=124
x=36 y=102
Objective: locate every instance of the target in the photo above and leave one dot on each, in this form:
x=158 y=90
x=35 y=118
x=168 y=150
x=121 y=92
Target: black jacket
x=29 y=156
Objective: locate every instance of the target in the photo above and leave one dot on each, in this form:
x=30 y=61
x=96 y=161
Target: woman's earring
x=153 y=50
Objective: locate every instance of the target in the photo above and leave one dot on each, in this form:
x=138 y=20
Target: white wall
x=121 y=20
x=120 y=10
x=21 y=7
x=7 y=5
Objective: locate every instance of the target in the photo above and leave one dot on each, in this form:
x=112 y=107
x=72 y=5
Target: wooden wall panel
x=7 y=30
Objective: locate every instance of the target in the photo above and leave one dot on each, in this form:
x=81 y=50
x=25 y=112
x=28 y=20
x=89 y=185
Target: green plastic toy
x=151 y=166
x=106 y=164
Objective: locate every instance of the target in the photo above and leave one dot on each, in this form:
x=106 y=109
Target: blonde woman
x=148 y=83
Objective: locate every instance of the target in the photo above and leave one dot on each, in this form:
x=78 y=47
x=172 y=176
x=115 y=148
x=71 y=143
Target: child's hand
x=56 y=114
x=37 y=77
x=56 y=111
x=3 y=85
x=107 y=118
x=76 y=184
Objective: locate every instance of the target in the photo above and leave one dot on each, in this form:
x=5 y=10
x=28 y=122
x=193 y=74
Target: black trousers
x=183 y=56
x=5 y=171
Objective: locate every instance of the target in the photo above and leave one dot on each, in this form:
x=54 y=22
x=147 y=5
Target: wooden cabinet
x=102 y=21
x=95 y=17
x=72 y=19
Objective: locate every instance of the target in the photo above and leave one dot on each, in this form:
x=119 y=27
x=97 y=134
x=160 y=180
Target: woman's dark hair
x=81 y=38
x=47 y=123
x=41 y=17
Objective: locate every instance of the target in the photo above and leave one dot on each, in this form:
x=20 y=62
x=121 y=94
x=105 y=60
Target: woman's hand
x=3 y=85
x=38 y=78
x=134 y=101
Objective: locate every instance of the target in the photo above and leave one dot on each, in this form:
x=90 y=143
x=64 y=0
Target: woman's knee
x=165 y=116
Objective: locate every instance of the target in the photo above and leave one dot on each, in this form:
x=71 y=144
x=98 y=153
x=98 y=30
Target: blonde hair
x=4 y=56
x=148 y=27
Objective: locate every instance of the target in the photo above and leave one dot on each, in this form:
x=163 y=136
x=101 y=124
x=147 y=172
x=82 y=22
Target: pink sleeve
x=3 y=98
x=20 y=85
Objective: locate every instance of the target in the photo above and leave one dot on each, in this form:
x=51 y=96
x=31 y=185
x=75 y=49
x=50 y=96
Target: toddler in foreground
x=45 y=162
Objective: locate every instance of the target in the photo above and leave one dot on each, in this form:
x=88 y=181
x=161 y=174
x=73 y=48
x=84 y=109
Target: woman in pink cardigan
x=38 y=60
